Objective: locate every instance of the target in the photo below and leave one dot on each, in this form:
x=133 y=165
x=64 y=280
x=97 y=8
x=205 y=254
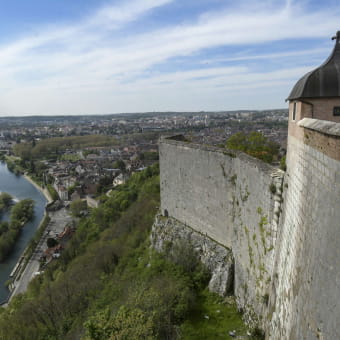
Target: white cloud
x=89 y=62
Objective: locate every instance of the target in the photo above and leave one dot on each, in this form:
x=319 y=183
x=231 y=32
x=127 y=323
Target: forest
x=109 y=284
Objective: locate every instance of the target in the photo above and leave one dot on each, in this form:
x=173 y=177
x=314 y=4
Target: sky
x=115 y=56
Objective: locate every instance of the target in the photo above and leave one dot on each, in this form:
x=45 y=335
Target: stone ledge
x=232 y=154
x=322 y=126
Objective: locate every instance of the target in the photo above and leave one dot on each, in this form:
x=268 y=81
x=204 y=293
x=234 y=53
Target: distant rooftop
x=324 y=81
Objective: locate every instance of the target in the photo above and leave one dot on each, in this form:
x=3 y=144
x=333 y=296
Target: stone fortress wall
x=235 y=200
x=282 y=228
x=304 y=300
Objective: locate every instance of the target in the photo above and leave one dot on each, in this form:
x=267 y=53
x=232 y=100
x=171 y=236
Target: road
x=59 y=219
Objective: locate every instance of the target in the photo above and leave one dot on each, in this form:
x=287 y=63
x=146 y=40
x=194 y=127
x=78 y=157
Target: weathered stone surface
x=166 y=232
x=283 y=230
x=305 y=295
x=236 y=201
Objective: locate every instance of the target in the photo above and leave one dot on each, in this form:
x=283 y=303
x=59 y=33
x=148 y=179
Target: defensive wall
x=282 y=228
x=235 y=200
x=304 y=299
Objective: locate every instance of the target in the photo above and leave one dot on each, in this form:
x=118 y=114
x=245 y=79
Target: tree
x=23 y=211
x=78 y=207
x=126 y=324
x=5 y=201
x=51 y=242
x=255 y=144
x=104 y=184
x=119 y=165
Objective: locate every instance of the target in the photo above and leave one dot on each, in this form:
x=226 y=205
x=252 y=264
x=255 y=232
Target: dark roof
x=323 y=81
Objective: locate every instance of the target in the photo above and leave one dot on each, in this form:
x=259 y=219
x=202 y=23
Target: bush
x=107 y=284
x=78 y=208
x=22 y=211
x=254 y=144
x=5 y=201
x=283 y=165
x=52 y=192
x=51 y=242
x=272 y=188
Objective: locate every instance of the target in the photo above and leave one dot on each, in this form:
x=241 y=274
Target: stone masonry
x=281 y=228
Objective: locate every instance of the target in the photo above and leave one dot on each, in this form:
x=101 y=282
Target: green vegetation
x=213 y=319
x=233 y=179
x=109 y=284
x=90 y=151
x=52 y=192
x=53 y=147
x=272 y=188
x=254 y=144
x=13 y=165
x=51 y=242
x=149 y=156
x=21 y=213
x=119 y=165
x=104 y=184
x=36 y=238
x=71 y=157
x=78 y=208
x=283 y=165
x=5 y=201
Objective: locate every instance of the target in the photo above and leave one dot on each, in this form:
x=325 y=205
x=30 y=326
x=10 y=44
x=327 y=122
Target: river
x=19 y=188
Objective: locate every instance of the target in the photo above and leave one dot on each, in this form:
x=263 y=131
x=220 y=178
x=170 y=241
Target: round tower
x=317 y=94
x=305 y=292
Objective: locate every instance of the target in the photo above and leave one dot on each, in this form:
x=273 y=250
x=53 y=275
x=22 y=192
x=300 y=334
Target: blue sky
x=101 y=56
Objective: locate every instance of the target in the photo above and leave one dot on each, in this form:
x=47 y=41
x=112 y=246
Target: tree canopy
x=108 y=283
x=5 y=201
x=255 y=144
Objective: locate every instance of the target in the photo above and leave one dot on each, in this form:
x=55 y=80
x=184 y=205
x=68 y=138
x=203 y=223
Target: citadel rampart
x=233 y=199
x=304 y=301
x=282 y=228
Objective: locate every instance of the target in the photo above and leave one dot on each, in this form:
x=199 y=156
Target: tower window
x=336 y=111
x=294 y=110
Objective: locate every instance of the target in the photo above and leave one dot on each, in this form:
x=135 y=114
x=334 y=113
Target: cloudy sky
x=110 y=56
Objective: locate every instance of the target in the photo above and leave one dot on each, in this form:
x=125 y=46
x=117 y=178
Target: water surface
x=19 y=188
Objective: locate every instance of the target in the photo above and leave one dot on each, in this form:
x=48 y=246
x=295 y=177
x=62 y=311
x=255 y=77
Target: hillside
x=109 y=284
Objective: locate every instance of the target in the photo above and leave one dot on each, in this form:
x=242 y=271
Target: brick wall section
x=321 y=108
x=304 y=301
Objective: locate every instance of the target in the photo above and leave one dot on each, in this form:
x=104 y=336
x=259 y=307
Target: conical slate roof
x=323 y=81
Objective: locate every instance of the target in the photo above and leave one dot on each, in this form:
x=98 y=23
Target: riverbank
x=20 y=188
x=44 y=191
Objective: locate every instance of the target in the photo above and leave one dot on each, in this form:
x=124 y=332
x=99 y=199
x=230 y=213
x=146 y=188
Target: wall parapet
x=322 y=126
x=268 y=168
x=321 y=135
